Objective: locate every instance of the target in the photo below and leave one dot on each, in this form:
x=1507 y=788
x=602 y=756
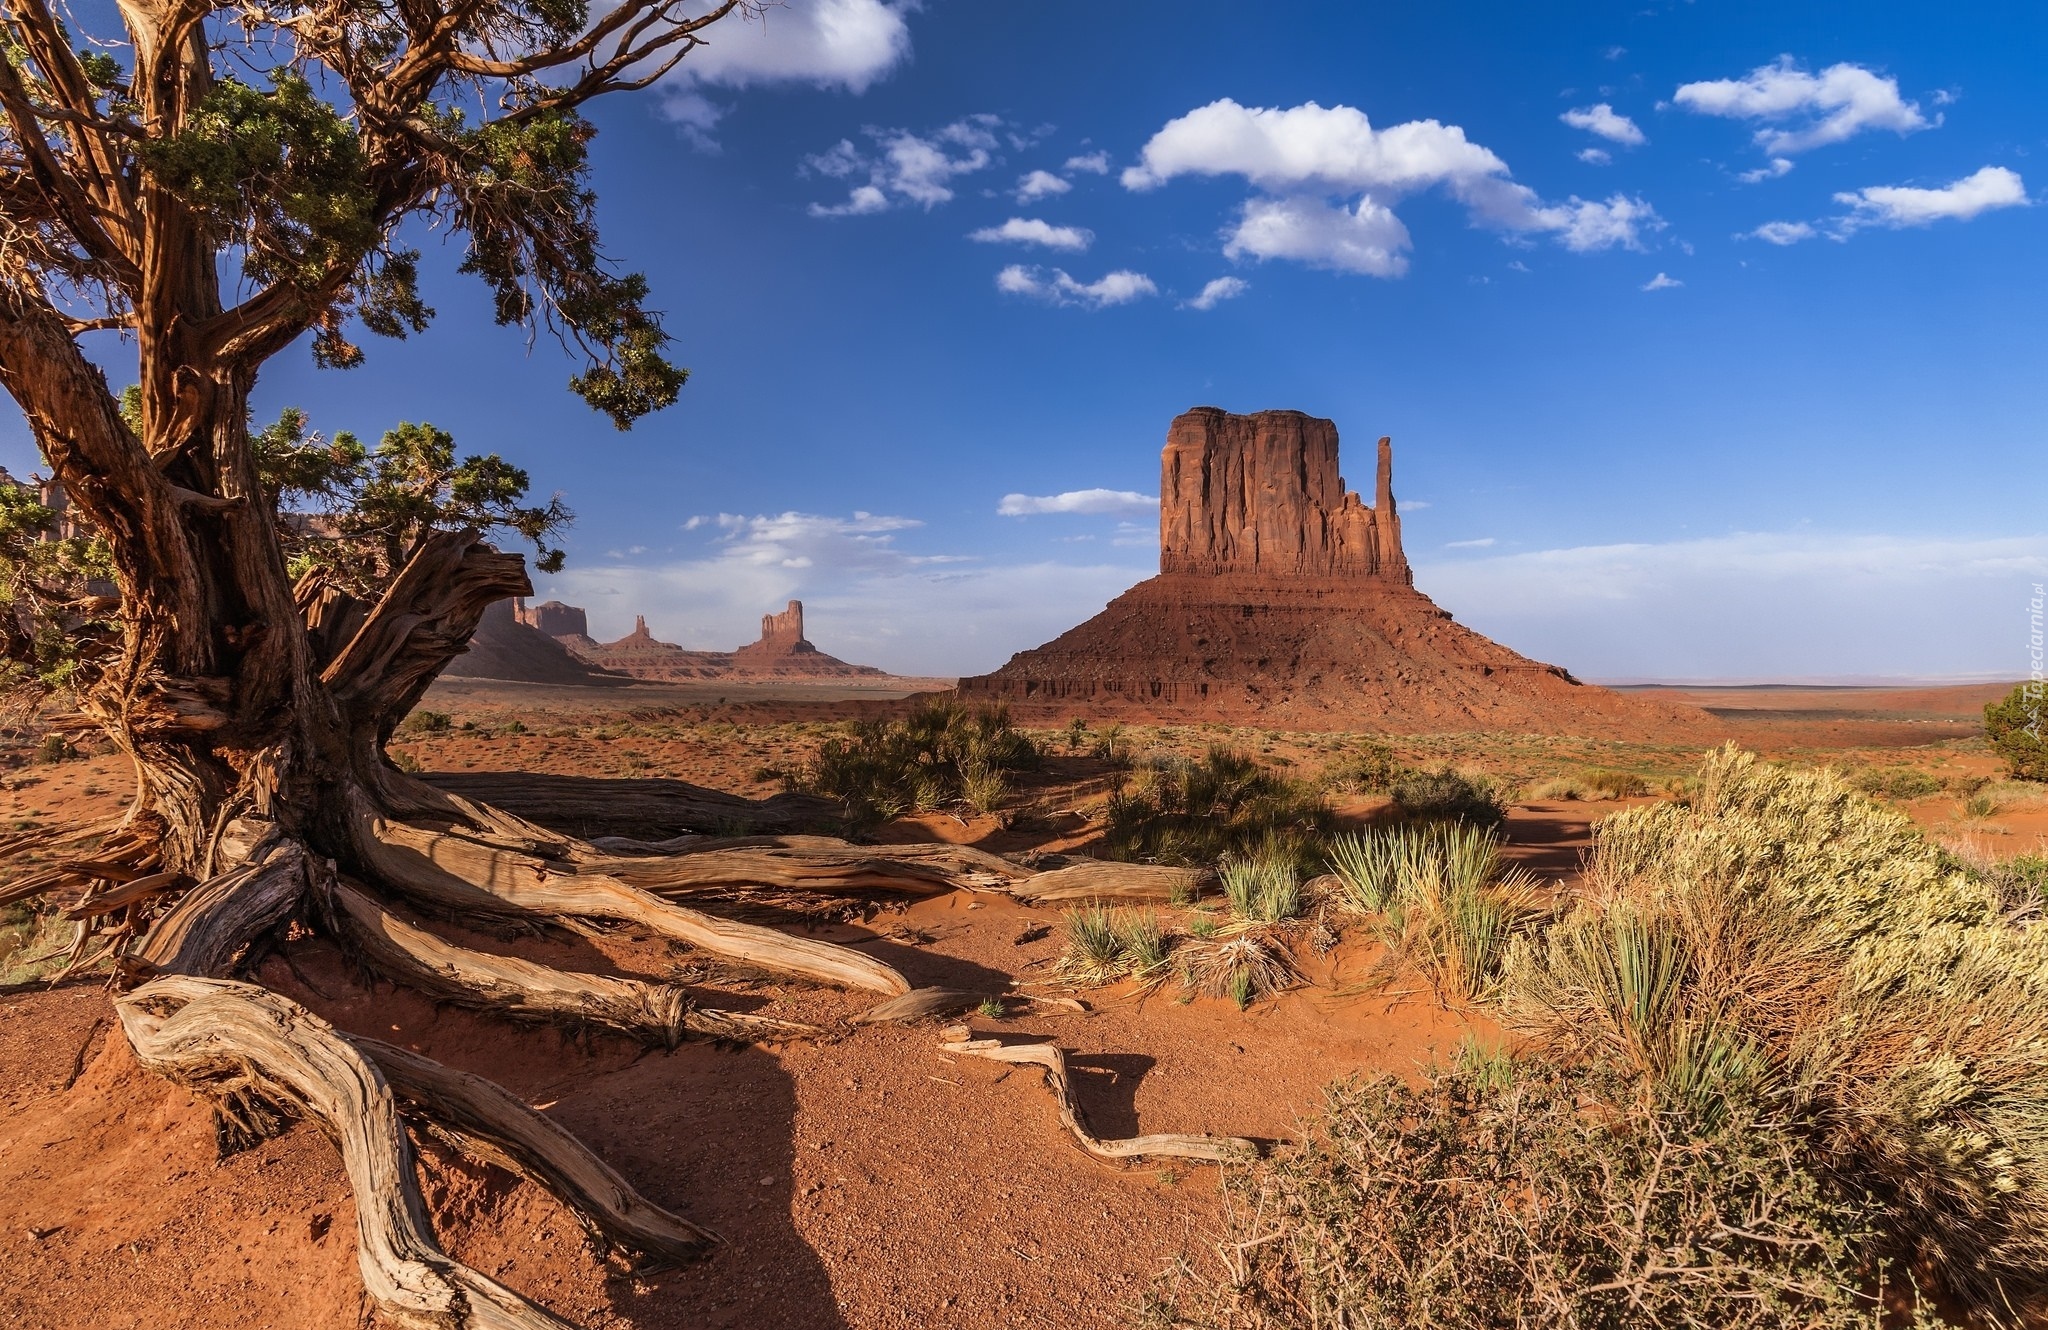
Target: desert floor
x=865 y=1181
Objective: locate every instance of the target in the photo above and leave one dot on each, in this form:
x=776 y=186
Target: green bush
x=939 y=753
x=424 y=721
x=1615 y=784
x=1448 y=795
x=1897 y=783
x=1515 y=1195
x=1441 y=896
x=1371 y=770
x=2017 y=726
x=1195 y=813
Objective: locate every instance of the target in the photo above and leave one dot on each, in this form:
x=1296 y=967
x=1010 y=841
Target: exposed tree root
x=1096 y=879
x=224 y=1038
x=1218 y=1149
x=495 y=1125
x=509 y=986
x=453 y=872
x=211 y=924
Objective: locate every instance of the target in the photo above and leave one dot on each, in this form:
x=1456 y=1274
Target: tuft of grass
x=1264 y=886
x=32 y=943
x=1094 y=953
x=1442 y=898
x=1145 y=944
x=991 y=1007
x=1243 y=967
x=983 y=786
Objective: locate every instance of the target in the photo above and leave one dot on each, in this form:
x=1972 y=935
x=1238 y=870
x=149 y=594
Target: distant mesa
x=506 y=642
x=1284 y=598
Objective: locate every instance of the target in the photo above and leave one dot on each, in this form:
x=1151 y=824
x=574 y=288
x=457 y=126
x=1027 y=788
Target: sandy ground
x=868 y=1180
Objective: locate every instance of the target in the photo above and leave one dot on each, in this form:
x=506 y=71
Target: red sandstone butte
x=1284 y=599
x=781 y=654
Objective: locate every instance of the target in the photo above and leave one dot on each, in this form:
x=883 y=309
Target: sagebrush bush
x=1193 y=813
x=1447 y=795
x=1523 y=1195
x=1371 y=770
x=1897 y=782
x=939 y=753
x=1784 y=939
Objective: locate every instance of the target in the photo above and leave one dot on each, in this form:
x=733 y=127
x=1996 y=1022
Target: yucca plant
x=1094 y=953
x=1145 y=944
x=1243 y=967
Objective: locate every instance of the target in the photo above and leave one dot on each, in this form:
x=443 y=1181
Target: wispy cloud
x=1216 y=291
x=1604 y=121
x=1902 y=205
x=1077 y=501
x=1094 y=163
x=1781 y=233
x=1032 y=231
x=1662 y=282
x=1482 y=543
x=903 y=166
x=1115 y=288
x=1753 y=604
x=1801 y=111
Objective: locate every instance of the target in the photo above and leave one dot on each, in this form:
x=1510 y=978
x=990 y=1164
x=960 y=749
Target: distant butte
x=1282 y=598
x=782 y=653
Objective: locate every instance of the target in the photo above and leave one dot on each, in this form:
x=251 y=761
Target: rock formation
x=781 y=654
x=1283 y=599
x=508 y=647
x=553 y=618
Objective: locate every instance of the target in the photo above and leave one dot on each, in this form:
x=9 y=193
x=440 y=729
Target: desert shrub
x=1103 y=945
x=1897 y=782
x=1371 y=770
x=406 y=762
x=1609 y=784
x=1784 y=940
x=940 y=752
x=1243 y=965
x=1145 y=942
x=1193 y=813
x=54 y=748
x=424 y=721
x=1445 y=794
x=2017 y=727
x=33 y=942
x=1563 y=788
x=1441 y=898
x=1529 y=1195
x=1264 y=885
x=1109 y=742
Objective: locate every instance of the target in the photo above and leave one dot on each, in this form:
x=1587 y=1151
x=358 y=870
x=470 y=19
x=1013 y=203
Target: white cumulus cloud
x=846 y=44
x=1094 y=163
x=1903 y=205
x=1218 y=290
x=1077 y=501
x=1115 y=288
x=1595 y=156
x=1033 y=231
x=1040 y=184
x=904 y=166
x=1606 y=122
x=1781 y=233
x=1802 y=110
x=1329 y=180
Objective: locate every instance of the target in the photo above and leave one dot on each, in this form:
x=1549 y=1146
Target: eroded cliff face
x=1261 y=494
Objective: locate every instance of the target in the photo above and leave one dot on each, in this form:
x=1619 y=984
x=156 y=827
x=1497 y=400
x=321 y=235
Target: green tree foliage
x=2017 y=726
x=56 y=593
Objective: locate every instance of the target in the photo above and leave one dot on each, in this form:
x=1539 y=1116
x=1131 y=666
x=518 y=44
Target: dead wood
x=591 y=806
x=222 y=1038
x=1098 y=879
x=208 y=928
x=919 y=1004
x=495 y=1125
x=1217 y=1149
x=448 y=871
x=508 y=986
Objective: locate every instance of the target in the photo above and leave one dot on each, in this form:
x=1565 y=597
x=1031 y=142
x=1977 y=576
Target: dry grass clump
x=1441 y=898
x=33 y=943
x=1491 y=1198
x=941 y=752
x=1445 y=794
x=1244 y=966
x=1264 y=885
x=1784 y=940
x=1194 y=813
x=1103 y=946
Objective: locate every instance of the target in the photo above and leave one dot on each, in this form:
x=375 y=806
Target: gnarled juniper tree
x=216 y=182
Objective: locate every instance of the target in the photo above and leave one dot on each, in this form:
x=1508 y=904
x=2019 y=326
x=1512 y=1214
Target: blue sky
x=1709 y=335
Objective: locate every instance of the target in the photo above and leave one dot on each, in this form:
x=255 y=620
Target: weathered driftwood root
x=449 y=871
x=491 y=1123
x=1096 y=879
x=223 y=1038
x=592 y=806
x=1218 y=1149
x=512 y=987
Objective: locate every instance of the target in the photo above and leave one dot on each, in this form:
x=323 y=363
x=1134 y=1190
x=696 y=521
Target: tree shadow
x=707 y=1132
